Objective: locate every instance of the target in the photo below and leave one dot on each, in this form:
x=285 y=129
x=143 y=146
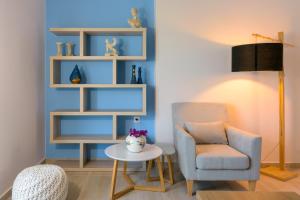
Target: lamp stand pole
x=280 y=172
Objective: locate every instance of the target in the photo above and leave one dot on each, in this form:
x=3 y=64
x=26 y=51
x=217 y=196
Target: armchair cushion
x=207 y=132
x=220 y=157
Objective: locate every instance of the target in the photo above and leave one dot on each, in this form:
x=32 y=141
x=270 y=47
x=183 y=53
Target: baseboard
x=288 y=165
x=7 y=193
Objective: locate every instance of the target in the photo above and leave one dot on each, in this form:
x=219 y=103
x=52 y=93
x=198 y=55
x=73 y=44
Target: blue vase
x=75 y=76
x=133 y=75
x=140 y=81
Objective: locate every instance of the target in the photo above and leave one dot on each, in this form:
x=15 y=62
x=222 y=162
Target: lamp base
x=277 y=173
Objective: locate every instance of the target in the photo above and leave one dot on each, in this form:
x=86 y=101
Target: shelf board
x=96 y=58
x=104 y=165
x=66 y=164
x=90 y=139
x=97 y=31
x=118 y=112
x=98 y=85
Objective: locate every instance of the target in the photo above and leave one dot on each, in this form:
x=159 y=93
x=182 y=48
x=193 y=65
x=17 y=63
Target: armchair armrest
x=186 y=149
x=248 y=144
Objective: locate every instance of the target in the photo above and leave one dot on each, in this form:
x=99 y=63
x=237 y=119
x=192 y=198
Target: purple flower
x=138 y=133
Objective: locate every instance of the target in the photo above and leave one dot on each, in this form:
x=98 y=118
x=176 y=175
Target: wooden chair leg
x=171 y=172
x=251 y=185
x=189 y=186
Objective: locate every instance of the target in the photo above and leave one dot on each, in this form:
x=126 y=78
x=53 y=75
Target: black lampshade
x=257 y=57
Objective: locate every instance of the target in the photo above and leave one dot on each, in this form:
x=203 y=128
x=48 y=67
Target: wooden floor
x=96 y=185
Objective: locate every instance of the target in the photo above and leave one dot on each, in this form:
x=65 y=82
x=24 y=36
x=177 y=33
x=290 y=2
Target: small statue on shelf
x=140 y=81
x=111 y=47
x=134 y=22
x=133 y=75
x=75 y=76
x=69 y=46
x=59 y=48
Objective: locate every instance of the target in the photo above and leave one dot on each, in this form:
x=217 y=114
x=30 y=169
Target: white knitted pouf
x=41 y=182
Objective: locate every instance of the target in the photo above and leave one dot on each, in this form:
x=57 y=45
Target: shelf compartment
x=115 y=99
x=73 y=129
x=127 y=46
x=94 y=72
x=83 y=34
x=75 y=40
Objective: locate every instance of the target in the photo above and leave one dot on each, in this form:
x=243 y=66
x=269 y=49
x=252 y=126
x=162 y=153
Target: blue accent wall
x=98 y=14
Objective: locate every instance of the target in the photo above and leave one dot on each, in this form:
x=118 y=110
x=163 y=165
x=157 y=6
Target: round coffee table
x=119 y=152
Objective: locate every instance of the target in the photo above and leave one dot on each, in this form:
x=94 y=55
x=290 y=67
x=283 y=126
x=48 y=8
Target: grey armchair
x=239 y=160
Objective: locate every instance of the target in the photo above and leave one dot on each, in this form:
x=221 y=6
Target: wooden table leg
x=160 y=188
x=113 y=194
x=161 y=175
x=114 y=179
x=125 y=167
x=149 y=178
x=171 y=171
x=163 y=163
x=126 y=177
x=148 y=173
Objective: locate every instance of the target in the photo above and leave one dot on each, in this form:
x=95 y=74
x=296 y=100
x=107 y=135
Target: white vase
x=135 y=144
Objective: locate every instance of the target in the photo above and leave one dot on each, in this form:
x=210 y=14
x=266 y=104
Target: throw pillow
x=207 y=132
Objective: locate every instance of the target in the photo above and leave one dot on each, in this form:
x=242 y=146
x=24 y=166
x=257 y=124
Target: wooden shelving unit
x=55 y=63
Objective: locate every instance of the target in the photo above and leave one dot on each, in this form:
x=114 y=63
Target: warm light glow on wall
x=230 y=30
x=246 y=98
x=231 y=88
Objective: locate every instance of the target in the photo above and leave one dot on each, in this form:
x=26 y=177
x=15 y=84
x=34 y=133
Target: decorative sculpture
x=69 y=46
x=59 y=48
x=111 y=47
x=133 y=75
x=140 y=81
x=134 y=22
x=75 y=77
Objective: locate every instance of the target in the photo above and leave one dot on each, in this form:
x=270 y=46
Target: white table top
x=168 y=149
x=120 y=152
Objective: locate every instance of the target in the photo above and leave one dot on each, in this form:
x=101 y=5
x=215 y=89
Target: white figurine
x=69 y=46
x=59 y=48
x=134 y=22
x=111 y=47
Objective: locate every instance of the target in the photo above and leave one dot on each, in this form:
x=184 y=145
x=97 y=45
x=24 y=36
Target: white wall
x=194 y=40
x=21 y=87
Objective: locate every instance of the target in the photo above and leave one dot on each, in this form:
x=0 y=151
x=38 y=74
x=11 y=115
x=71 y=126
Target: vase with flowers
x=136 y=140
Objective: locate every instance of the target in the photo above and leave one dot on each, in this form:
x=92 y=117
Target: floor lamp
x=267 y=57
